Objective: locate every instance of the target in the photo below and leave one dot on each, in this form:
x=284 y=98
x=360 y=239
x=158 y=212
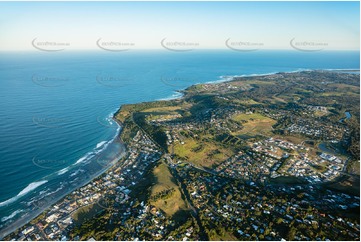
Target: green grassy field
x=255 y=124
x=201 y=153
x=246 y=102
x=165 y=181
x=247 y=117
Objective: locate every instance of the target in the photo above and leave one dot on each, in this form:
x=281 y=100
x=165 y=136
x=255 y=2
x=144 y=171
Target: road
x=202 y=236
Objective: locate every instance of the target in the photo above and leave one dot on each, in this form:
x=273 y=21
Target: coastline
x=179 y=94
x=28 y=218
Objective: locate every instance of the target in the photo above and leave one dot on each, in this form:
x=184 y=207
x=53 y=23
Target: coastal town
x=205 y=167
x=54 y=224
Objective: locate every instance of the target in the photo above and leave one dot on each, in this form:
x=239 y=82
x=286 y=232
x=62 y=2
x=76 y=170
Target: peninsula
x=256 y=158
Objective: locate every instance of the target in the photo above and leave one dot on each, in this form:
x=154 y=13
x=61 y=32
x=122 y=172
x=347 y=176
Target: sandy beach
x=51 y=200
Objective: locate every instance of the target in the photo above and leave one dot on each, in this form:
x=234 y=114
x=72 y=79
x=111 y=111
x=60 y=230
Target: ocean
x=56 y=127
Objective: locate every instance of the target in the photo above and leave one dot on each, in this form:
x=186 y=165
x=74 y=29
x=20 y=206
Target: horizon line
x=182 y=51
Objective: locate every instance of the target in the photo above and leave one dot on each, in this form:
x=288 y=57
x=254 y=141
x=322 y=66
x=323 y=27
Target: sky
x=202 y=25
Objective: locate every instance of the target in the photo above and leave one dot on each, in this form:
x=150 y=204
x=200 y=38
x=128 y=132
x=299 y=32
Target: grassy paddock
x=201 y=153
x=165 y=181
x=255 y=124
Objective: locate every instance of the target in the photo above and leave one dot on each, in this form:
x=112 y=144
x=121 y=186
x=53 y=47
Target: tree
x=291 y=233
x=229 y=197
x=279 y=221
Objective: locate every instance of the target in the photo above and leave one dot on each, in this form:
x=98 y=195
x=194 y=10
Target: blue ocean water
x=56 y=108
